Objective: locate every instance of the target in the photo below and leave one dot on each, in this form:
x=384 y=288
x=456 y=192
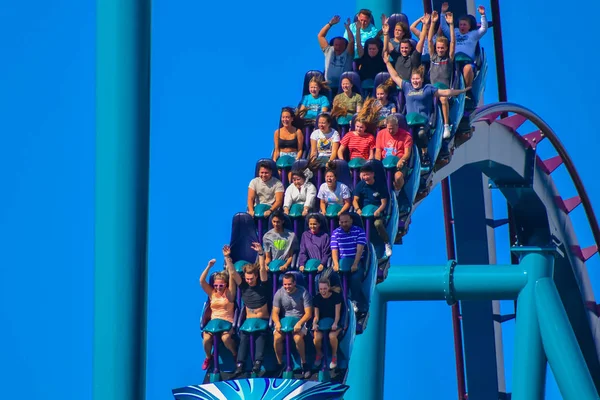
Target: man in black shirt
x=255 y=295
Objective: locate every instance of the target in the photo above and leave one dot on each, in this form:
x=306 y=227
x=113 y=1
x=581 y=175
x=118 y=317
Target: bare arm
x=250 y=204
x=387 y=44
x=413 y=27
x=359 y=250
x=350 y=47
x=313 y=148
x=203 y=282
x=346 y=206
x=450 y=92
x=421 y=42
x=381 y=208
x=322 y=36
x=300 y=137
x=356 y=205
x=276 y=145
x=323 y=206
x=340 y=152
x=434 y=19
x=230 y=267
x=338 y=312
x=391 y=70
x=377 y=153
x=334 y=150
x=359 y=46
x=275 y=317
x=450 y=21
x=278 y=201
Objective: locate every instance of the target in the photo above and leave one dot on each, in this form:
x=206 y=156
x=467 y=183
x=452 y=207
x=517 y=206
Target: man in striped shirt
x=349 y=241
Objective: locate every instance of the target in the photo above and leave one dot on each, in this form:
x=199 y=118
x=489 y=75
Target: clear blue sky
x=221 y=72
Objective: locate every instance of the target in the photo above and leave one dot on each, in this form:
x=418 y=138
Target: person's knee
x=299 y=338
x=277 y=337
x=207 y=336
x=333 y=335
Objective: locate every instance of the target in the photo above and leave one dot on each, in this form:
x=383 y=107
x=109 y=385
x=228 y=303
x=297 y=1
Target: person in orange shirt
x=222 y=301
x=393 y=141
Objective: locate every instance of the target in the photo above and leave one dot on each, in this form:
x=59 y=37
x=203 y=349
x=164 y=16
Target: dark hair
x=266 y=165
x=471 y=20
x=406 y=40
x=289 y=275
x=251 y=269
x=367 y=12
x=327 y=116
x=278 y=214
x=298 y=173
x=367 y=168
x=347 y=214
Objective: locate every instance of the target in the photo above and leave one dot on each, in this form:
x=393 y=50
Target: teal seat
x=296 y=210
x=369 y=211
x=332 y=210
x=217 y=326
x=441 y=85
x=239 y=265
x=325 y=324
x=260 y=209
x=356 y=163
x=390 y=162
x=413 y=119
x=462 y=58
x=312 y=265
x=253 y=325
x=346 y=264
x=274 y=265
x=285 y=162
x=288 y=323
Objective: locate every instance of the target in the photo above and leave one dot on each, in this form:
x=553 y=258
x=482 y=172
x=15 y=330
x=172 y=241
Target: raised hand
x=481 y=10
x=226 y=250
x=435 y=17
x=386 y=56
x=257 y=247
x=383 y=19
x=385 y=28
x=426 y=19
x=211 y=263
x=449 y=18
x=334 y=20
x=347 y=23
x=445 y=7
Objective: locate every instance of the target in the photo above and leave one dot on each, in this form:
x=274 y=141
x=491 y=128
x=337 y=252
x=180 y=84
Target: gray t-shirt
x=440 y=69
x=336 y=65
x=280 y=245
x=292 y=304
x=265 y=191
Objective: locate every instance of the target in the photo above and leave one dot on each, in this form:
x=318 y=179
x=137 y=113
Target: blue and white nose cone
x=263 y=388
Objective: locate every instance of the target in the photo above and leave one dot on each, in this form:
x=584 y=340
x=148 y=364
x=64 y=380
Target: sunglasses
x=219 y=286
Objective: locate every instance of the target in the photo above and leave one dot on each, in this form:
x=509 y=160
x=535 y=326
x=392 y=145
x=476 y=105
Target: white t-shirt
x=341 y=193
x=265 y=191
x=325 y=141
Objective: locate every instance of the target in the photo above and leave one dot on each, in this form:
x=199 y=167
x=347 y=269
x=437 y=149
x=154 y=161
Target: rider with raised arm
x=327 y=304
x=419 y=100
x=363 y=27
x=394 y=141
x=349 y=241
x=265 y=189
x=467 y=37
x=280 y=243
x=401 y=31
x=441 y=53
x=407 y=58
x=296 y=302
x=222 y=303
x=255 y=295
x=339 y=56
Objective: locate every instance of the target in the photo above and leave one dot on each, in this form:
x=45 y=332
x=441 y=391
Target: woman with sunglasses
x=222 y=299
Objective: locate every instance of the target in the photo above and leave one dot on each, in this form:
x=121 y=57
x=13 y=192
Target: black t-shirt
x=255 y=296
x=405 y=65
x=327 y=306
x=370 y=194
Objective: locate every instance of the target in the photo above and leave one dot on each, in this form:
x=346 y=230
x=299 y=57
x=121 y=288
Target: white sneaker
x=354 y=306
x=388 y=250
x=447 y=132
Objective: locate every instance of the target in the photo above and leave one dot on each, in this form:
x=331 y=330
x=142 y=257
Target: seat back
x=243 y=234
x=354 y=78
x=380 y=78
x=402 y=121
x=271 y=163
x=394 y=19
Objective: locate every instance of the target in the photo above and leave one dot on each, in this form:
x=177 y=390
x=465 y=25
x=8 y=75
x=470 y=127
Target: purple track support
x=325 y=343
x=354 y=177
x=252 y=349
x=319 y=178
x=310 y=283
x=296 y=227
x=345 y=286
x=389 y=180
x=368 y=229
x=216 y=354
x=551 y=164
x=260 y=230
x=283 y=175
x=288 y=352
x=513 y=122
x=331 y=225
x=275 y=280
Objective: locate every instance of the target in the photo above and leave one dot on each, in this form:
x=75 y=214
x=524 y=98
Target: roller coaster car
x=223 y=362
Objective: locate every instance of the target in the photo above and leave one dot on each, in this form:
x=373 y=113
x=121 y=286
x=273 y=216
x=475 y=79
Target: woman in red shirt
x=358 y=142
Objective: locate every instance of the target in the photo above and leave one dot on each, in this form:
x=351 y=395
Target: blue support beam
x=475 y=244
x=121 y=209
x=560 y=344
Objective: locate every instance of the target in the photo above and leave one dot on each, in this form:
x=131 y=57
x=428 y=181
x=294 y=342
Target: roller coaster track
x=540 y=215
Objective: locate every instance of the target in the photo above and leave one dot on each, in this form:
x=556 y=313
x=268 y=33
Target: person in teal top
x=314 y=103
x=367 y=29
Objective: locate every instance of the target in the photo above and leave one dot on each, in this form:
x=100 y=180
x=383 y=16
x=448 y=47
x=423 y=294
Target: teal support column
x=367 y=364
x=121 y=209
x=452 y=282
x=559 y=341
x=529 y=368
